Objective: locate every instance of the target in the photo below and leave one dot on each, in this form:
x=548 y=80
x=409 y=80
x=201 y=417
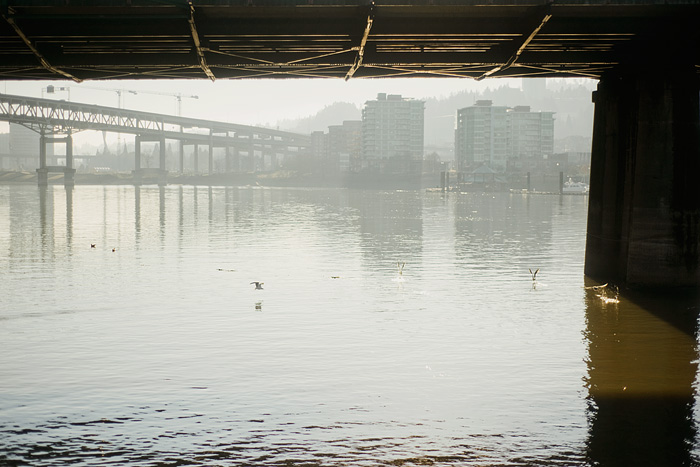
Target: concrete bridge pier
x=69 y=174
x=644 y=204
x=211 y=153
x=44 y=169
x=161 y=174
x=181 y=154
x=42 y=172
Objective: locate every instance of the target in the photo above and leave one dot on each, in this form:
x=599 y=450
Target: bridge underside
x=212 y=39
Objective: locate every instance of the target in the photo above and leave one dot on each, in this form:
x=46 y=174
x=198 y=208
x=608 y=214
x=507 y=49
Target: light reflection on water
x=161 y=352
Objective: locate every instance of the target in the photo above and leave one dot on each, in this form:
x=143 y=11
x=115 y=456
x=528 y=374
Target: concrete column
x=644 y=203
x=196 y=159
x=137 y=161
x=163 y=173
x=228 y=159
x=561 y=182
x=69 y=174
x=137 y=153
x=182 y=157
x=42 y=172
x=211 y=154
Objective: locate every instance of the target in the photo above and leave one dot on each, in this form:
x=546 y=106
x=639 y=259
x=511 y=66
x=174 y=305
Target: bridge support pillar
x=42 y=172
x=140 y=174
x=644 y=204
x=69 y=174
x=182 y=157
x=163 y=175
x=137 y=160
x=211 y=154
x=196 y=159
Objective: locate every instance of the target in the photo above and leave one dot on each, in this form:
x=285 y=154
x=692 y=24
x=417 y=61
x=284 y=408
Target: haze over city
x=283 y=104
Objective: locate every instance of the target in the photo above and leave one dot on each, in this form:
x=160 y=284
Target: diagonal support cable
x=520 y=49
x=45 y=63
x=198 y=44
x=361 y=49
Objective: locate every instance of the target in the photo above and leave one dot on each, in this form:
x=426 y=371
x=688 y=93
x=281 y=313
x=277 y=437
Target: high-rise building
x=345 y=146
x=392 y=134
x=499 y=136
x=481 y=135
x=530 y=134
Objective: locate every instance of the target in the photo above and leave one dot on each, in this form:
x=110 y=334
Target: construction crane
x=120 y=92
x=177 y=96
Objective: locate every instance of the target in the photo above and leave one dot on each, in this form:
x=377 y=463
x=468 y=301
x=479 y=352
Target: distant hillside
x=333 y=114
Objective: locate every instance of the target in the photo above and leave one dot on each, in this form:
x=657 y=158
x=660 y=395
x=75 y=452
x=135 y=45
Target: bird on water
x=258 y=285
x=534 y=274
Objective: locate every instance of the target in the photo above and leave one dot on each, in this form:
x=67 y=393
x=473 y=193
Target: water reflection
x=48 y=219
x=69 y=217
x=45 y=222
x=137 y=212
x=348 y=364
x=642 y=365
x=161 y=211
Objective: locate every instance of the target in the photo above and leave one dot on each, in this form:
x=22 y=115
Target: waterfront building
x=481 y=136
x=317 y=151
x=501 y=137
x=345 y=146
x=392 y=134
x=530 y=134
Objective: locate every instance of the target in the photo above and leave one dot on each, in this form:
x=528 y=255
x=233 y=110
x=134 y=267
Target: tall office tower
x=392 y=134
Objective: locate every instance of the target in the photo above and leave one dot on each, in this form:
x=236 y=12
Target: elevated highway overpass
x=644 y=207
x=57 y=121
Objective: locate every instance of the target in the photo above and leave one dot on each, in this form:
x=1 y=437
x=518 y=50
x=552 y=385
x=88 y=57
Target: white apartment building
x=497 y=136
x=392 y=133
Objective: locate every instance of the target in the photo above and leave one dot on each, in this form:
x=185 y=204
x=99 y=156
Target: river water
x=153 y=348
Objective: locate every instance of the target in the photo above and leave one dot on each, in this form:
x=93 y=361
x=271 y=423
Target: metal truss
x=47 y=116
x=343 y=39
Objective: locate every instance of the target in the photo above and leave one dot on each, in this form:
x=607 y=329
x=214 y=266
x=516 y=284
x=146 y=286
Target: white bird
x=400 y=266
x=258 y=285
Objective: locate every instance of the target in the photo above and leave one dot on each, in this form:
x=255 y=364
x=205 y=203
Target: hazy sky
x=248 y=102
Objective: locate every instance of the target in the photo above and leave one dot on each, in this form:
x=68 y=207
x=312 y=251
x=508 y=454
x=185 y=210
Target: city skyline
x=251 y=102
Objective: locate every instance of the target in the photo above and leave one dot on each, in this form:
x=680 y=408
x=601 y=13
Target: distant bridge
x=56 y=121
